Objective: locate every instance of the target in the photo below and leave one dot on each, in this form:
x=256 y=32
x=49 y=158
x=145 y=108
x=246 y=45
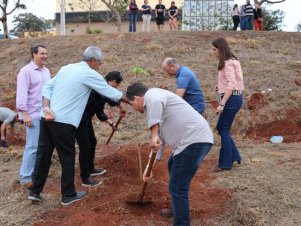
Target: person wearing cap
x=7 y=117
x=160 y=15
x=172 y=14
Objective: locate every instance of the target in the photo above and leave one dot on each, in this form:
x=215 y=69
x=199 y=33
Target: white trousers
x=146 y=22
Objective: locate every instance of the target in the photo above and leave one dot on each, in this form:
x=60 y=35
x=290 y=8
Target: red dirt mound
x=289 y=128
x=105 y=205
x=256 y=101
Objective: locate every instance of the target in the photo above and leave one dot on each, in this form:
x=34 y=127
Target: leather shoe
x=217 y=169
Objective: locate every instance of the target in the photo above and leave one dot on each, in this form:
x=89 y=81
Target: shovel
x=138 y=199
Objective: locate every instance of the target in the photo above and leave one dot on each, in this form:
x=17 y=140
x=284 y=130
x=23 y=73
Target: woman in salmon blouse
x=229 y=87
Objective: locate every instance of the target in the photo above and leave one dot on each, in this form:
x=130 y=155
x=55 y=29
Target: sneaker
x=35 y=197
x=4 y=143
x=167 y=213
x=97 y=172
x=89 y=182
x=78 y=196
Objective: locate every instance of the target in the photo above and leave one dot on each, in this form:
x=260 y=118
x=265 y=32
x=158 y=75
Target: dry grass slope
x=266 y=188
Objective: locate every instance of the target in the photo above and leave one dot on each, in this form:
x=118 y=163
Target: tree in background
x=260 y=2
x=298 y=27
x=6 y=12
x=89 y=6
x=272 y=19
x=29 y=22
x=117 y=7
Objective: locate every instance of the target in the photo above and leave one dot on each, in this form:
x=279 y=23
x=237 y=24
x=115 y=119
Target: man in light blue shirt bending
x=64 y=99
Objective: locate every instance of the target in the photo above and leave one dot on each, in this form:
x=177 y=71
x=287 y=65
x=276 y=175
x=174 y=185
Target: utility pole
x=63 y=28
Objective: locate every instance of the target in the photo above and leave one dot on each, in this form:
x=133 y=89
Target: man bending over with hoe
x=172 y=121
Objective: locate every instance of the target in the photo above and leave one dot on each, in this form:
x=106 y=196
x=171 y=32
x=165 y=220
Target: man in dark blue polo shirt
x=188 y=86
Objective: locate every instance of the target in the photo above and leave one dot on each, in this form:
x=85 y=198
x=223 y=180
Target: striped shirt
x=249 y=10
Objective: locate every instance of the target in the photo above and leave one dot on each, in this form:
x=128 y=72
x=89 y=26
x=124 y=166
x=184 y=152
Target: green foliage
x=97 y=31
x=121 y=5
x=94 y=31
x=140 y=70
x=272 y=19
x=29 y=22
x=6 y=12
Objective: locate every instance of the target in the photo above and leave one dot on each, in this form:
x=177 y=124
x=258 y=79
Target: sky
x=46 y=9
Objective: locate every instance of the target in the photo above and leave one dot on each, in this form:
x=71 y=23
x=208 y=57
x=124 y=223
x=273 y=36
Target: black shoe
x=89 y=182
x=167 y=213
x=35 y=197
x=97 y=172
x=78 y=196
x=4 y=143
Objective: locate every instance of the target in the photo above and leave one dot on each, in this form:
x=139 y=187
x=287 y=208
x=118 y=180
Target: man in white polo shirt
x=173 y=122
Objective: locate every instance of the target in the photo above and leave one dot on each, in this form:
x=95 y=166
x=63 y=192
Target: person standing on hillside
x=64 y=98
x=133 y=9
x=188 y=86
x=249 y=15
x=85 y=136
x=258 y=18
x=172 y=14
x=146 y=16
x=7 y=117
x=30 y=81
x=172 y=121
x=229 y=87
x=242 y=18
x=235 y=17
x=160 y=15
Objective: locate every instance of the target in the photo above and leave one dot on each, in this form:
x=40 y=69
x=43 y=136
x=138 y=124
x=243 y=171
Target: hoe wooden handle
x=149 y=169
x=117 y=123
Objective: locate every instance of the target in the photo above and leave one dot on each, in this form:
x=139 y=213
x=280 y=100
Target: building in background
x=97 y=19
x=207 y=14
x=193 y=15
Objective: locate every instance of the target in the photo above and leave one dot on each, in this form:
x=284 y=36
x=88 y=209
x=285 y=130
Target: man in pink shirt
x=30 y=81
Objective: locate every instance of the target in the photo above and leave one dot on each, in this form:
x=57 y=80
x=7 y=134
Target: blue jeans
x=182 y=168
x=133 y=19
x=249 y=20
x=242 y=23
x=228 y=152
x=30 y=152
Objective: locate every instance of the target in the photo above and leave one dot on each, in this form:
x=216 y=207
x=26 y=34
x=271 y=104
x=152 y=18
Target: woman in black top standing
x=172 y=13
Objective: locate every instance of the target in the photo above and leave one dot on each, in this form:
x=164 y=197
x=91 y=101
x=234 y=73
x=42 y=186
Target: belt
x=234 y=93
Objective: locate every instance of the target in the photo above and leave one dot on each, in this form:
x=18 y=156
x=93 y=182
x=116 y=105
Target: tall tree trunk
x=118 y=18
x=4 y=23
